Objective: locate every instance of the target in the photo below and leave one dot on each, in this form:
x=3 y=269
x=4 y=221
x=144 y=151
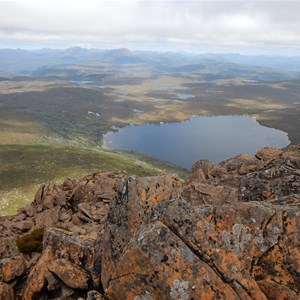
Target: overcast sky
x=198 y=26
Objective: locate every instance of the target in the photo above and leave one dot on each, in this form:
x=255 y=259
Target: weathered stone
x=268 y=153
x=53 y=284
x=85 y=208
x=158 y=265
x=47 y=218
x=67 y=245
x=137 y=197
x=275 y=291
x=50 y=195
x=241 y=165
x=94 y=295
x=204 y=194
x=233 y=234
x=260 y=180
x=88 y=212
x=30 y=211
x=6 y=292
x=65 y=216
x=72 y=275
x=260 y=241
x=90 y=188
x=203 y=166
x=10 y=268
x=66 y=293
x=224 y=243
x=77 y=229
x=36 y=281
x=8 y=248
x=24 y=225
x=20 y=217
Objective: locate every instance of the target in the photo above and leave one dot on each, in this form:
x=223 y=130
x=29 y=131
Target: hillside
x=231 y=231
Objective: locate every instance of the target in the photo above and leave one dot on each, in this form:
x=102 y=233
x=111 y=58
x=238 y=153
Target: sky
x=171 y=25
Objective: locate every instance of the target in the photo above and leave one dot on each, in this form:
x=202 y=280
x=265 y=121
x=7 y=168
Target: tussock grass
x=24 y=167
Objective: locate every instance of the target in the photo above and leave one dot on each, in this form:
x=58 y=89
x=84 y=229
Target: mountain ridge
x=230 y=231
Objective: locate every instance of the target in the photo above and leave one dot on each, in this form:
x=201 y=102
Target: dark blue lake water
x=214 y=138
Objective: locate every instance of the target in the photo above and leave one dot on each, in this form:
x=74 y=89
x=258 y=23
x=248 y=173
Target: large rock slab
x=244 y=242
x=71 y=275
x=273 y=176
x=97 y=187
x=158 y=265
x=36 y=281
x=136 y=198
x=12 y=267
x=6 y=292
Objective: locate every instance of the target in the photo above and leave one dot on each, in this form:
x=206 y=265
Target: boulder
x=47 y=218
x=272 y=178
x=198 y=193
x=71 y=275
x=69 y=246
x=36 y=280
x=136 y=198
x=49 y=195
x=245 y=242
x=94 y=295
x=97 y=187
x=6 y=292
x=12 y=267
x=230 y=232
x=275 y=291
x=157 y=264
x=268 y=153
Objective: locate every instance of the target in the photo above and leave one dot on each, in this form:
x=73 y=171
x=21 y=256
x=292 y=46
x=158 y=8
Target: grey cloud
x=186 y=24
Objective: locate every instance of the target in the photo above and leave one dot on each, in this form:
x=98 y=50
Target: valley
x=55 y=109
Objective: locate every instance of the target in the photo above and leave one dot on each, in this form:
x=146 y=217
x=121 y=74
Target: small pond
x=214 y=138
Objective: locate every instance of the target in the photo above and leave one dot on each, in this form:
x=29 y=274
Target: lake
x=214 y=138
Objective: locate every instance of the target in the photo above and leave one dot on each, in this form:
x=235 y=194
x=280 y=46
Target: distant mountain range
x=25 y=61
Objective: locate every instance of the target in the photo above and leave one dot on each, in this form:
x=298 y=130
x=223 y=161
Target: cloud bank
x=183 y=25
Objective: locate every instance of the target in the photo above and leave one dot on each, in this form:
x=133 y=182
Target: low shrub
x=32 y=242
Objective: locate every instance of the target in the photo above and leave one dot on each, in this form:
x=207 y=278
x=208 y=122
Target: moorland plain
x=53 y=118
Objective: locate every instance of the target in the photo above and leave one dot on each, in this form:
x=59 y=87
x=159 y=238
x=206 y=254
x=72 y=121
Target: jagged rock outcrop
x=231 y=231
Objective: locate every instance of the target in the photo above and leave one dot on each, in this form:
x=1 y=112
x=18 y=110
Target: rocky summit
x=230 y=231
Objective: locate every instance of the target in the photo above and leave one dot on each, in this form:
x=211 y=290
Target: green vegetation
x=25 y=167
x=52 y=123
x=32 y=242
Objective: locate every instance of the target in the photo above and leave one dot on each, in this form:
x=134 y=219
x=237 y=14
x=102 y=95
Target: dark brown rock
x=275 y=291
x=50 y=195
x=67 y=245
x=6 y=292
x=270 y=179
x=10 y=268
x=8 y=248
x=94 y=295
x=36 y=281
x=47 y=218
x=199 y=193
x=268 y=153
x=97 y=187
x=72 y=275
x=30 y=211
x=24 y=225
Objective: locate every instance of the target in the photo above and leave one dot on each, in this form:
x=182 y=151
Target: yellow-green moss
x=62 y=228
x=32 y=242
